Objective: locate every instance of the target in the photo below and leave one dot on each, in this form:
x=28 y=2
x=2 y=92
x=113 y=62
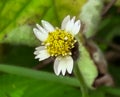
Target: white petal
x=43 y=54
x=76 y=27
x=70 y=65
x=62 y=64
x=70 y=25
x=41 y=36
x=63 y=68
x=47 y=26
x=64 y=22
x=41 y=29
x=38 y=49
x=56 y=64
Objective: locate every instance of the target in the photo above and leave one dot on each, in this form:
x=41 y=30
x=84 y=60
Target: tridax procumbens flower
x=57 y=43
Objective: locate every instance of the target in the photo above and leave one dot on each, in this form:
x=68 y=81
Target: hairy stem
x=83 y=86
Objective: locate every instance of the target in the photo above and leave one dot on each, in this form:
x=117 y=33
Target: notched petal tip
x=37 y=24
x=76 y=27
x=43 y=21
x=63 y=72
x=64 y=22
x=35 y=53
x=67 y=17
x=36 y=57
x=63 y=65
x=41 y=54
x=78 y=22
x=35 y=30
x=69 y=25
x=40 y=35
x=47 y=26
x=41 y=29
x=73 y=19
x=57 y=73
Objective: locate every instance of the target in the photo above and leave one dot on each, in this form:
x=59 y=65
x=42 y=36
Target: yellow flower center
x=59 y=42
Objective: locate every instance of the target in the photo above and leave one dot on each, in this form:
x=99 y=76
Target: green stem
x=77 y=72
x=83 y=86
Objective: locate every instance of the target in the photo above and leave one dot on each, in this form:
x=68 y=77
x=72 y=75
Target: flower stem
x=83 y=86
x=77 y=72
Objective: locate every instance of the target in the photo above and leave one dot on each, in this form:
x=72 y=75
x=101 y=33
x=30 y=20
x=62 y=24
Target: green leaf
x=86 y=65
x=21 y=35
x=90 y=16
x=113 y=24
x=17 y=21
x=97 y=93
x=38 y=75
x=16 y=86
x=111 y=90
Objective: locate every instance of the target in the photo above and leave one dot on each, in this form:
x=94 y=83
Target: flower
x=57 y=43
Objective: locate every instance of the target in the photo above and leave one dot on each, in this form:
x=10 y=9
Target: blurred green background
x=17 y=43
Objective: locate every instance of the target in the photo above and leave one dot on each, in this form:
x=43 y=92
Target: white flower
x=57 y=43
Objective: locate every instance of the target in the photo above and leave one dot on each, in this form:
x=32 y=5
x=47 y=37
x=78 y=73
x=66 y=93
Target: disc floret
x=59 y=42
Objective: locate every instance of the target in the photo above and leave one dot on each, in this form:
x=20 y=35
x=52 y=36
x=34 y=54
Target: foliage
x=17 y=23
x=16 y=86
x=17 y=42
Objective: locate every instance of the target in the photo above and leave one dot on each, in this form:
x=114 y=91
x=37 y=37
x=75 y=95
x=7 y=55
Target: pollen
x=59 y=42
